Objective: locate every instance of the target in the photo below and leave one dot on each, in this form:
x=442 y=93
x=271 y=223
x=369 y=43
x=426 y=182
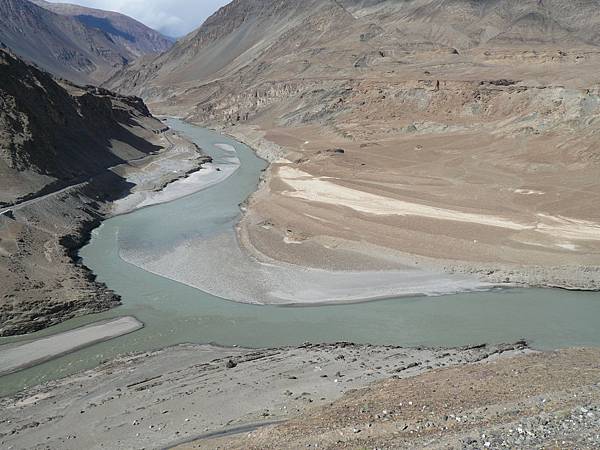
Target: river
x=175 y=313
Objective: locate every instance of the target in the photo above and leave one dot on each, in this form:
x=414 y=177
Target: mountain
x=134 y=36
x=54 y=134
x=259 y=40
x=81 y=45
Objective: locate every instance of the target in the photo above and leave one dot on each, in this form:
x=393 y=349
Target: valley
x=331 y=224
x=398 y=105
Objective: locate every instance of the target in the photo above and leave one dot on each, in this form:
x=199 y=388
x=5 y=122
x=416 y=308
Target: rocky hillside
x=251 y=40
x=542 y=400
x=55 y=134
x=57 y=143
x=285 y=63
x=81 y=45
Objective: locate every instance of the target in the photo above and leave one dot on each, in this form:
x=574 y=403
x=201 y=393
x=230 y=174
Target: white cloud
x=171 y=17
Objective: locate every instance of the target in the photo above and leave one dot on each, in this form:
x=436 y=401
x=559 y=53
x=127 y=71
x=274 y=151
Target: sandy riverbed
x=325 y=190
x=17 y=357
x=216 y=263
x=180 y=172
x=329 y=202
x=226 y=271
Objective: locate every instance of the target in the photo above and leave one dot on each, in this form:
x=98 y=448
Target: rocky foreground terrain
x=317 y=396
x=460 y=135
x=165 y=398
x=64 y=157
x=548 y=400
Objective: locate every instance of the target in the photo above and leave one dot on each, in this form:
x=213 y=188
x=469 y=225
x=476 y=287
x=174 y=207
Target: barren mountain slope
x=57 y=142
x=130 y=34
x=83 y=49
x=264 y=38
x=462 y=134
x=54 y=135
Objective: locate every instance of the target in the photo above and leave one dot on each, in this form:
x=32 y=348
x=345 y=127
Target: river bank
x=201 y=249
x=22 y=356
x=44 y=280
x=161 y=398
x=178 y=173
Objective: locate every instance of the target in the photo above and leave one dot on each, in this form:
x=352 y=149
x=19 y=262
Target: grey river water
x=175 y=313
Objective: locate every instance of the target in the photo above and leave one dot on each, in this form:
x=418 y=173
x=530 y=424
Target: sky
x=171 y=17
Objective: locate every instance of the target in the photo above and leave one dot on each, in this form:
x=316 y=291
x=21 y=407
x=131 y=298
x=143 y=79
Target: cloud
x=171 y=17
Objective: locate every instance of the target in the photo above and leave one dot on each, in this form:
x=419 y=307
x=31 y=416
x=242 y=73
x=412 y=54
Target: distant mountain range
x=254 y=41
x=80 y=44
